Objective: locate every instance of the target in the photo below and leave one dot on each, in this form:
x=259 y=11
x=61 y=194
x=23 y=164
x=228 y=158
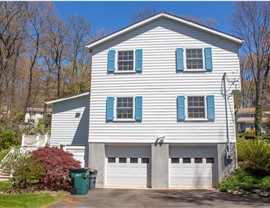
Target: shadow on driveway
x=146 y=198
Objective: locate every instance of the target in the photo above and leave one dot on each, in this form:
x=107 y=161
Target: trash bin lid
x=93 y=171
x=79 y=170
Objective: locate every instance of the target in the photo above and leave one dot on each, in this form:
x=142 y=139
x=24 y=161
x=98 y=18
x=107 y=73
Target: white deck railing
x=35 y=140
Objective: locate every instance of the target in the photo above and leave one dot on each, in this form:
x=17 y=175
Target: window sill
x=125 y=72
x=124 y=120
x=195 y=70
x=196 y=119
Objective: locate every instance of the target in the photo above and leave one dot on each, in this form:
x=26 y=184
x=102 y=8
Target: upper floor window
x=124 y=109
x=125 y=61
x=194 y=58
x=196 y=107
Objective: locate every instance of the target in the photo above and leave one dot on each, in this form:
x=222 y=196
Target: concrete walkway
x=146 y=198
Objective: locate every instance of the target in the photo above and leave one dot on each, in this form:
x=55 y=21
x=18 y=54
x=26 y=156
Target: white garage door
x=78 y=153
x=192 y=167
x=127 y=166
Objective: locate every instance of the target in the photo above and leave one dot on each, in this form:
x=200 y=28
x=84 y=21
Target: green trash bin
x=80 y=180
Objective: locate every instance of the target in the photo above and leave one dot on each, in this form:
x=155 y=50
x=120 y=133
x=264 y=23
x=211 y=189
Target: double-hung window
x=124 y=108
x=196 y=107
x=125 y=61
x=194 y=58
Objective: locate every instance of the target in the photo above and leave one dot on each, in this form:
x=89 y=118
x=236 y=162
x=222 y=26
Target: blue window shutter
x=139 y=60
x=179 y=59
x=210 y=107
x=109 y=108
x=208 y=59
x=138 y=108
x=181 y=108
x=111 y=61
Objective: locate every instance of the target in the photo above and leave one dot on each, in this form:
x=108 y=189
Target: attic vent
x=77 y=115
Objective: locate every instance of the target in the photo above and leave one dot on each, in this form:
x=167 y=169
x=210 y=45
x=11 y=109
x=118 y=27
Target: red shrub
x=56 y=163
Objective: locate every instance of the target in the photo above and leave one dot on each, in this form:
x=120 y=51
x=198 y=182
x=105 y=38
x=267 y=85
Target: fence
x=35 y=140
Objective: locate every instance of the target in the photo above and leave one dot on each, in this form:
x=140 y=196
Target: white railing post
x=37 y=140
x=23 y=140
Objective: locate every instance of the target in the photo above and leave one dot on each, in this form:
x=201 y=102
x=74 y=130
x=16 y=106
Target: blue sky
x=116 y=15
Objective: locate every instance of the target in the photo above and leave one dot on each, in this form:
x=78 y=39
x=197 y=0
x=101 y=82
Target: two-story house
x=246 y=119
x=157 y=112
x=33 y=115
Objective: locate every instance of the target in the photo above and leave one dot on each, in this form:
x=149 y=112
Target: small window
x=175 y=160
x=186 y=160
x=194 y=58
x=196 y=107
x=125 y=60
x=124 y=108
x=111 y=160
x=77 y=115
x=198 y=160
x=133 y=160
x=210 y=160
x=145 y=160
x=122 y=160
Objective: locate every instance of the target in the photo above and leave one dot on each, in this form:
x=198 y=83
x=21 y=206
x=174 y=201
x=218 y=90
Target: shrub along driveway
x=146 y=198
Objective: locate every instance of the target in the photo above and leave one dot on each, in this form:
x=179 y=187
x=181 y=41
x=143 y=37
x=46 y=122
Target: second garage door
x=127 y=166
x=192 y=167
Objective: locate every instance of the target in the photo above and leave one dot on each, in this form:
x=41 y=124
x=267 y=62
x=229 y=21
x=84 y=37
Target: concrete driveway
x=136 y=198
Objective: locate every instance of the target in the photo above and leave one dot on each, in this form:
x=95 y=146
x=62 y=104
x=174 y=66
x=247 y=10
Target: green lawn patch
x=37 y=200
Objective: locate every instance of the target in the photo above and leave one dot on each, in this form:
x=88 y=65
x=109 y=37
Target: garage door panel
x=130 y=169
x=195 y=169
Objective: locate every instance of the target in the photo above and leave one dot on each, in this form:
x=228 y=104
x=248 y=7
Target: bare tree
x=12 y=34
x=58 y=46
x=251 y=22
x=143 y=14
x=78 y=35
x=37 y=13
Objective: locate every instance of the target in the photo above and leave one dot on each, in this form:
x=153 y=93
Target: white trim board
x=67 y=98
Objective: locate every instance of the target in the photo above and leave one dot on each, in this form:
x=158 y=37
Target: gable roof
x=171 y=17
x=67 y=98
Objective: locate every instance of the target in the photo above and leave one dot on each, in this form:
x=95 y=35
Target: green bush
x=6 y=137
x=264 y=184
x=242 y=179
x=255 y=156
x=26 y=170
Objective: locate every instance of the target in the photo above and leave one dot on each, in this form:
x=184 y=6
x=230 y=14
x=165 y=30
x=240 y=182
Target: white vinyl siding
x=70 y=122
x=159 y=84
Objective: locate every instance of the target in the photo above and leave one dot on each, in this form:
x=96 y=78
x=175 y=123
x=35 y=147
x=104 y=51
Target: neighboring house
x=33 y=115
x=157 y=115
x=246 y=119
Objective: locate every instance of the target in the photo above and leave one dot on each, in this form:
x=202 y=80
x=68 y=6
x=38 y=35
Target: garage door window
x=111 y=160
x=186 y=160
x=133 y=160
x=122 y=160
x=198 y=160
x=175 y=160
x=210 y=160
x=145 y=160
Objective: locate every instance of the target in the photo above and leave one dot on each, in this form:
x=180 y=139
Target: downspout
x=228 y=154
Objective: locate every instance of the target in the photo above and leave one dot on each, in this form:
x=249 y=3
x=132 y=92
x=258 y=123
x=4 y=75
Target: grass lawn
x=36 y=200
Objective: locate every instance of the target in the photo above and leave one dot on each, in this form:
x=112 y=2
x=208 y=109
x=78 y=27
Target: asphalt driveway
x=136 y=198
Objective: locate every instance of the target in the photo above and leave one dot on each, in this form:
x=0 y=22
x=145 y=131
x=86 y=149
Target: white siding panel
x=160 y=84
x=66 y=128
